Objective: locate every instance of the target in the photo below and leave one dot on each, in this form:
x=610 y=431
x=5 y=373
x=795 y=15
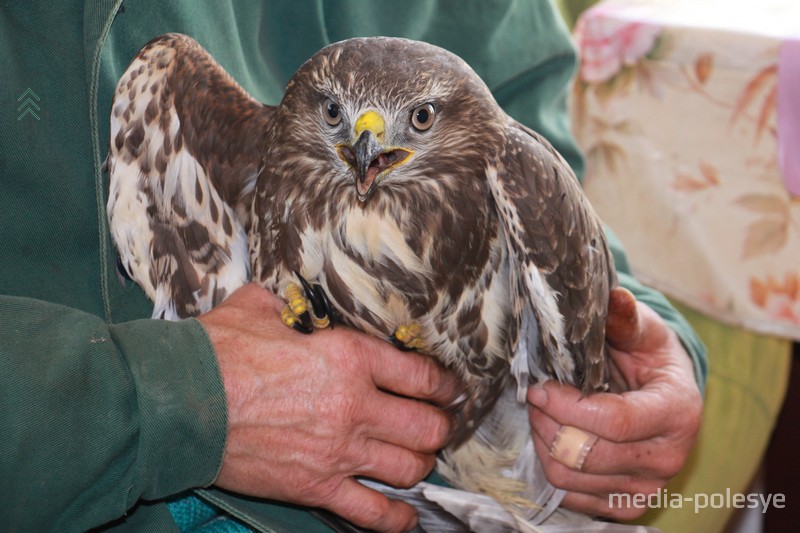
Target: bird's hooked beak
x=368 y=156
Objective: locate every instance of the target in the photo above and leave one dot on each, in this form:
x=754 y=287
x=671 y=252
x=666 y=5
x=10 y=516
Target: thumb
x=637 y=335
x=623 y=327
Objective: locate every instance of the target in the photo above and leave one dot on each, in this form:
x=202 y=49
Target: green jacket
x=105 y=412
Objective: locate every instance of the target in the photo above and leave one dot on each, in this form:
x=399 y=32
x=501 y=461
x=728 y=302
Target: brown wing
x=185 y=150
x=560 y=262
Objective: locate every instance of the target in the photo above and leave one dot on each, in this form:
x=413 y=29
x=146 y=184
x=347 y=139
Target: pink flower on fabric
x=607 y=45
x=780 y=299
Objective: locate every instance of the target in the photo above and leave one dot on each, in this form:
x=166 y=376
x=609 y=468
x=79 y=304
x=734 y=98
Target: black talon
x=328 y=309
x=297 y=326
x=305 y=322
x=319 y=300
x=122 y=272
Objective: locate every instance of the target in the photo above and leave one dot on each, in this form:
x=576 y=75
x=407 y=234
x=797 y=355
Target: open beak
x=369 y=158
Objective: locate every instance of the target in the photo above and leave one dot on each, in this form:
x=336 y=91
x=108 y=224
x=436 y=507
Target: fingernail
x=537 y=395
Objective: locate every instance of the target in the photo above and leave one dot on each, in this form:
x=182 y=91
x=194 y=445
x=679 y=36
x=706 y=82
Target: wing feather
x=559 y=259
x=185 y=150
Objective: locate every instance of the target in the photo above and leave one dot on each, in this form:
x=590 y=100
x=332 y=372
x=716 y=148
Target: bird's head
x=387 y=112
x=368 y=155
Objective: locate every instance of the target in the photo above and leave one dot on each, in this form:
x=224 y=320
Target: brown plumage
x=389 y=176
x=179 y=205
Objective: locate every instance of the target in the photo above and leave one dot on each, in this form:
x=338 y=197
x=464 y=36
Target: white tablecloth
x=681 y=107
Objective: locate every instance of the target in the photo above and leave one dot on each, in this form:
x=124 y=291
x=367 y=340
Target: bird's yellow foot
x=408 y=338
x=295 y=314
x=307 y=307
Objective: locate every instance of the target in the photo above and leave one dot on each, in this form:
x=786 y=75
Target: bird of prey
x=387 y=191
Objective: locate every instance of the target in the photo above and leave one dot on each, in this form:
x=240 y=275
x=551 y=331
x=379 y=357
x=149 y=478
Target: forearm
x=98 y=416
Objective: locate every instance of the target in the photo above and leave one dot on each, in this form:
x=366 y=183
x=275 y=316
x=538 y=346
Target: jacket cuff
x=183 y=415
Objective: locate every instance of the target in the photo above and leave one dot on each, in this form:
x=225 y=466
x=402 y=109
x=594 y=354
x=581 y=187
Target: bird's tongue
x=375 y=167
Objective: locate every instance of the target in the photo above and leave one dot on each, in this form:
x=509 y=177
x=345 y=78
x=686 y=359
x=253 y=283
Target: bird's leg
x=307 y=307
x=407 y=338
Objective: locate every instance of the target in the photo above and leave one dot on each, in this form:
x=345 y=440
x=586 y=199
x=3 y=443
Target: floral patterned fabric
x=676 y=107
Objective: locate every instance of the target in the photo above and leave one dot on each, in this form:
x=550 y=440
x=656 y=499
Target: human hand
x=307 y=413
x=646 y=425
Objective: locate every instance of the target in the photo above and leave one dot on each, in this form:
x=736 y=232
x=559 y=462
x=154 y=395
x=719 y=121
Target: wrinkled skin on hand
x=646 y=425
x=307 y=413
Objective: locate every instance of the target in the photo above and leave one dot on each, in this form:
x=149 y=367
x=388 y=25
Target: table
x=689 y=113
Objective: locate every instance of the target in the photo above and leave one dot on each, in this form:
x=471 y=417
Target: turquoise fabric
x=193 y=515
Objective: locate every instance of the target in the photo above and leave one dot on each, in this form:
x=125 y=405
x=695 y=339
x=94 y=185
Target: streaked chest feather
x=379 y=278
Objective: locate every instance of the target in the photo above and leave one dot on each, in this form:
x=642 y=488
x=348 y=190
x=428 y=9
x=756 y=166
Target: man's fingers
x=588 y=483
x=609 y=507
x=372 y=510
x=590 y=493
x=407 y=423
x=647 y=458
x=393 y=465
x=413 y=375
x=623 y=329
x=626 y=417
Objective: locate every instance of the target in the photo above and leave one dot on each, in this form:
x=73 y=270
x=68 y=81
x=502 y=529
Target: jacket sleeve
x=528 y=62
x=94 y=416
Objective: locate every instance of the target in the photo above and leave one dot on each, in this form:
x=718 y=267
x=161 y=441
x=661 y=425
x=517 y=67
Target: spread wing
x=185 y=150
x=561 y=267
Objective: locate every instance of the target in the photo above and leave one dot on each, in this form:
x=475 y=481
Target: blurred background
x=688 y=113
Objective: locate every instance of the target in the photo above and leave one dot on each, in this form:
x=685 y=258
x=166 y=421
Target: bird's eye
x=422 y=117
x=331 y=112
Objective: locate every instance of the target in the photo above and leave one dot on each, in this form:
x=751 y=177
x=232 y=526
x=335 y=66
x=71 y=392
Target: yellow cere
x=371 y=121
